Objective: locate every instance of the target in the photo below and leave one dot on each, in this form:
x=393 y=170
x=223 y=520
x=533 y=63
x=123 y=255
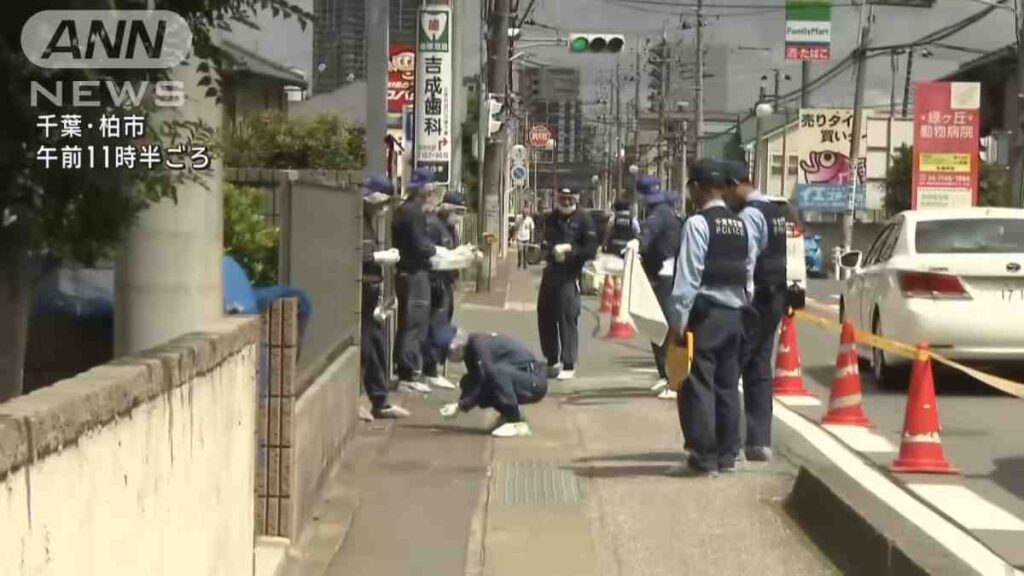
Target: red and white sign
x=809 y=53
x=947 y=125
x=539 y=136
x=401 y=77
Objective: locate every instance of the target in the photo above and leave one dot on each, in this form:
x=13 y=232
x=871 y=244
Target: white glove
x=379 y=315
x=633 y=245
x=450 y=410
x=389 y=256
x=478 y=255
x=561 y=250
x=441 y=251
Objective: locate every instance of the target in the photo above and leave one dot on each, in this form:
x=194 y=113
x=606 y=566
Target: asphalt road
x=982 y=429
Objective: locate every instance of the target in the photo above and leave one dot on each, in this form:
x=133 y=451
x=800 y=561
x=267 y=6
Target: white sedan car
x=950 y=278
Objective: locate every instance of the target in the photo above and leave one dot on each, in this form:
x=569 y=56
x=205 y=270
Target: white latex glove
x=561 y=250
x=389 y=256
x=478 y=255
x=450 y=410
x=633 y=245
x=379 y=315
x=441 y=251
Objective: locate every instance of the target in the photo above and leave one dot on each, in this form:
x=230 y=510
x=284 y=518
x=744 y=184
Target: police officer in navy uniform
x=377 y=194
x=713 y=280
x=658 y=246
x=623 y=227
x=766 y=224
x=412 y=284
x=442 y=227
x=570 y=239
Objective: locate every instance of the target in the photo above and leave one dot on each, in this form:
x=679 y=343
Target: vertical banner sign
x=434 y=92
x=401 y=77
x=947 y=122
x=823 y=145
x=809 y=30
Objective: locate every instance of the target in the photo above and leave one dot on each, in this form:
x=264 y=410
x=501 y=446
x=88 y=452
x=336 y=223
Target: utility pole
x=906 y=85
x=618 y=130
x=682 y=165
x=805 y=80
x=858 y=107
x=700 y=80
x=1017 y=175
x=661 y=100
x=494 y=157
x=636 y=130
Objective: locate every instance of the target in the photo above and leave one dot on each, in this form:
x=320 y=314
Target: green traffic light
x=579 y=44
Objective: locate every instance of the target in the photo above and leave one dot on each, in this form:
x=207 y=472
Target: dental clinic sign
x=434 y=92
x=808 y=30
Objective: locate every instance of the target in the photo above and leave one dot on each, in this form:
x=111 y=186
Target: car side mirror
x=851 y=260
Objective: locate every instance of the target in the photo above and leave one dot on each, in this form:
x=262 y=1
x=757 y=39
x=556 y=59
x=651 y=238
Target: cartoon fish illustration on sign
x=826 y=167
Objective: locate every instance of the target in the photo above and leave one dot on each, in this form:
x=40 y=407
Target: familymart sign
x=808 y=30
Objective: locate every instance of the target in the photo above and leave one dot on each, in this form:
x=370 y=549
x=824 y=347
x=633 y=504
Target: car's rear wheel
x=886 y=376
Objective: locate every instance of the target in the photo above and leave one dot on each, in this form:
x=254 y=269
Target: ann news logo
x=106 y=39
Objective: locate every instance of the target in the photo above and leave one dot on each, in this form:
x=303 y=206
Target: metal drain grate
x=534 y=484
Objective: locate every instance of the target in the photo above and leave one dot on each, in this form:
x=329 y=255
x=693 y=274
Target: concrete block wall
x=144 y=465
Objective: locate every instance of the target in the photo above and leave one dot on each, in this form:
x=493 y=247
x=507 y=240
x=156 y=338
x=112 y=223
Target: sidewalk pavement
x=587 y=493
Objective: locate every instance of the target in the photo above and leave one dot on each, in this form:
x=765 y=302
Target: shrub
x=270 y=139
x=247 y=236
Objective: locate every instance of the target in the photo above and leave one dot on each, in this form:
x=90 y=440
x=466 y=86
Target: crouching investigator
x=502 y=373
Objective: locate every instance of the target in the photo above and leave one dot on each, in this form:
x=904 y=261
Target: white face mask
x=376 y=198
x=567 y=209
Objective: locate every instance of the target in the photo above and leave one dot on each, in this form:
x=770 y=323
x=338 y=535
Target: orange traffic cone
x=788 y=376
x=921 y=448
x=621 y=328
x=607 y=296
x=845 y=405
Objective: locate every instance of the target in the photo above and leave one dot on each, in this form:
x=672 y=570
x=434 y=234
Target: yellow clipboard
x=677 y=362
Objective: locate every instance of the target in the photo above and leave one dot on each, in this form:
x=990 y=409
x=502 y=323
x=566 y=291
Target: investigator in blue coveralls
x=377 y=193
x=714 y=276
x=658 y=246
x=766 y=224
x=412 y=283
x=501 y=373
x=570 y=239
x=442 y=227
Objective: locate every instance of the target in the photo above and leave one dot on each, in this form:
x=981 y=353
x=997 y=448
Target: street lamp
x=553 y=146
x=634 y=169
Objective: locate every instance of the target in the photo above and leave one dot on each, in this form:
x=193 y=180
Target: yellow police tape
x=892 y=346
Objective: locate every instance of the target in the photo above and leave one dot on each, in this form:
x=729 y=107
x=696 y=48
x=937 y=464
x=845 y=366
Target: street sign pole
x=858 y=109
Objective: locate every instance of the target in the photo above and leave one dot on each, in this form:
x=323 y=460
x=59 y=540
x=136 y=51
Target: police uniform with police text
x=767 y=225
x=558 y=301
x=623 y=228
x=501 y=373
x=713 y=274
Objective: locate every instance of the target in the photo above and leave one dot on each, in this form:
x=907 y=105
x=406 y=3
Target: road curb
x=867 y=523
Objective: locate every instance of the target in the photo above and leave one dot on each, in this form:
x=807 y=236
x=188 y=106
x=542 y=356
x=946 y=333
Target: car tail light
x=931 y=285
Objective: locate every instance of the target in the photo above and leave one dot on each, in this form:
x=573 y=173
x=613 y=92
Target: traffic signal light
x=596 y=43
x=494 y=121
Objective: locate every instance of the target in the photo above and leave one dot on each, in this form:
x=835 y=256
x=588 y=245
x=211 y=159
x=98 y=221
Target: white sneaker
x=391 y=412
x=554 y=370
x=667 y=394
x=413 y=387
x=365 y=415
x=511 y=430
x=566 y=375
x=439 y=382
x=660 y=385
